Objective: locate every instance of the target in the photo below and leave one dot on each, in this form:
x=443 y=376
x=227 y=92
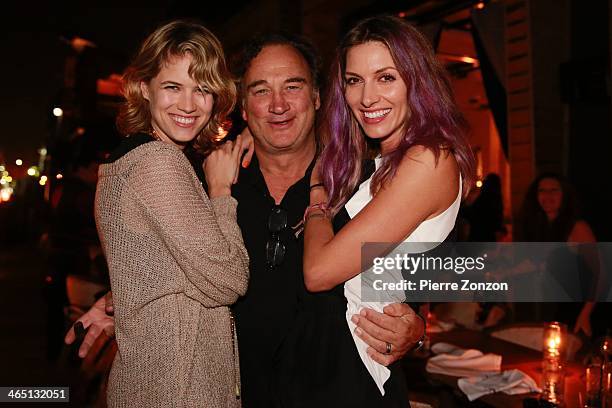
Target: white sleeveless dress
x=435 y=229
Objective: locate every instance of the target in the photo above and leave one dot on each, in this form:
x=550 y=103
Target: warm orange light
x=553 y=334
x=469 y=60
x=459 y=58
x=554 y=343
x=5 y=194
x=109 y=86
x=221 y=132
x=480 y=6
x=79 y=44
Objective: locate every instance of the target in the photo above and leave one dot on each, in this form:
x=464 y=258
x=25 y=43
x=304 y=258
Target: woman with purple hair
x=388 y=99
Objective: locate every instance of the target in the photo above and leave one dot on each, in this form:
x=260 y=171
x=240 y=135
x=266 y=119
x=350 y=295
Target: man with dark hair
x=280 y=97
x=303 y=46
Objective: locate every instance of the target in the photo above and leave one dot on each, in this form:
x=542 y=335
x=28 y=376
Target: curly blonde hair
x=208 y=67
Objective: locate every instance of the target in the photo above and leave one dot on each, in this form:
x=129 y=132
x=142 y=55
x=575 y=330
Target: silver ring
x=388 y=351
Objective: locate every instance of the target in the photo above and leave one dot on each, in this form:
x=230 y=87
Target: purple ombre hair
x=434 y=123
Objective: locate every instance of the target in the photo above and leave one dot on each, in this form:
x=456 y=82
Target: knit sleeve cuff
x=224 y=205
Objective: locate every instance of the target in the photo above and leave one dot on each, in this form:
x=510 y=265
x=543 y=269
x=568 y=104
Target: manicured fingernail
x=358 y=331
x=363 y=312
x=245 y=164
x=355 y=319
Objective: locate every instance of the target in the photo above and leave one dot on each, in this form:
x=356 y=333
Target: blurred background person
x=485 y=215
x=72 y=243
x=483 y=221
x=550 y=214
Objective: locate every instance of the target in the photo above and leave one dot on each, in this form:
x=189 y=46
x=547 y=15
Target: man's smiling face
x=280 y=99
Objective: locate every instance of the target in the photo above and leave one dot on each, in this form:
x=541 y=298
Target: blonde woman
x=175 y=253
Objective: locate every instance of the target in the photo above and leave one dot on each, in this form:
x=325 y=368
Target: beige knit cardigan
x=176 y=261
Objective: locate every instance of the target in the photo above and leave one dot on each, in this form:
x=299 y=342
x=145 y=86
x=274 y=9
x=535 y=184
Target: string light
x=5 y=194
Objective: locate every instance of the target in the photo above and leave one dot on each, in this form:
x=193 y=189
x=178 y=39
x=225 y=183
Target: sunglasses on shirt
x=275 y=247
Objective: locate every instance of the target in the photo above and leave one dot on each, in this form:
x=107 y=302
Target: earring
x=155 y=135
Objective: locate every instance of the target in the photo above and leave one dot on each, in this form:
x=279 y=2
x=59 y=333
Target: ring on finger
x=388 y=350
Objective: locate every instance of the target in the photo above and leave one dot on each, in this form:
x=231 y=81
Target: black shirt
x=267 y=311
x=265 y=315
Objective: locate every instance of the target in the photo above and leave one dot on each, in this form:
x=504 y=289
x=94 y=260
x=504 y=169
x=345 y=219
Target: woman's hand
x=221 y=168
x=248 y=144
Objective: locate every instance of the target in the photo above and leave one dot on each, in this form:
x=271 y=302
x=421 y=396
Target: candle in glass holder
x=553 y=341
x=553 y=375
x=593 y=382
x=606 y=386
x=553 y=382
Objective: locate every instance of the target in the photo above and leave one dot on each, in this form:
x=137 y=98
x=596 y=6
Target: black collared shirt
x=267 y=311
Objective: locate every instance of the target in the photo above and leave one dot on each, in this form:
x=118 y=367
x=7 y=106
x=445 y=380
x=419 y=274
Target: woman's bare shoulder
x=425 y=159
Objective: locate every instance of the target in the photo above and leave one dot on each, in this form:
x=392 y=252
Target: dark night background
x=554 y=99
x=571 y=100
x=34 y=47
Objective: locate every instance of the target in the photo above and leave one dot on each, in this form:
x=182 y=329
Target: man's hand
x=398 y=326
x=97 y=320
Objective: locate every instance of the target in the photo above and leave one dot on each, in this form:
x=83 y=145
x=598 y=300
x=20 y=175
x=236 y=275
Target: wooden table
x=513 y=357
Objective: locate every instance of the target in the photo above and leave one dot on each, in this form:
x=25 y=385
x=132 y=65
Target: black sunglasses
x=275 y=248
